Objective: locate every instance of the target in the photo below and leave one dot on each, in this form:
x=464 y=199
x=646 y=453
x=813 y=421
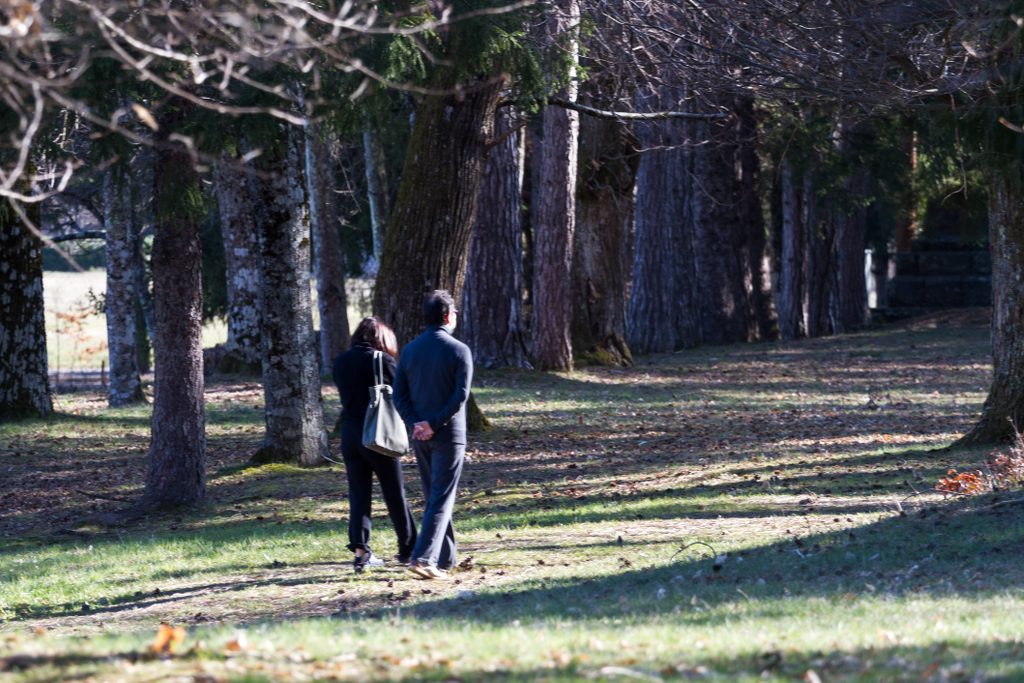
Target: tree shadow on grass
x=962 y=549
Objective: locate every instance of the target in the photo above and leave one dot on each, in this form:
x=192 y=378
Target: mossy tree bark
x=427 y=240
x=604 y=215
x=176 y=473
x=1003 y=410
x=291 y=378
x=24 y=376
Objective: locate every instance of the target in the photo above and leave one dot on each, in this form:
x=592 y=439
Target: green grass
x=729 y=514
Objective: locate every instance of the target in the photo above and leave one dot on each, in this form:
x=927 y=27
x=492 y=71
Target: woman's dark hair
x=377 y=334
x=436 y=306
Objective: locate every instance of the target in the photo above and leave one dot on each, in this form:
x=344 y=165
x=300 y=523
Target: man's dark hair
x=436 y=306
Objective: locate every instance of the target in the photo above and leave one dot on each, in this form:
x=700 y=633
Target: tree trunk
x=757 y=261
x=327 y=255
x=177 y=453
x=377 y=194
x=822 y=270
x=554 y=221
x=664 y=312
x=605 y=203
x=720 y=238
x=291 y=379
x=24 y=377
x=237 y=201
x=851 y=241
x=492 y=322
x=125 y=386
x=792 y=301
x=1004 y=408
x=427 y=240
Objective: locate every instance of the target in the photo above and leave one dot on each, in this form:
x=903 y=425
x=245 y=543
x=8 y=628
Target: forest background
x=597 y=182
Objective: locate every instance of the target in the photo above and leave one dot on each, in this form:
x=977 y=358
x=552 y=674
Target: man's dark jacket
x=432 y=383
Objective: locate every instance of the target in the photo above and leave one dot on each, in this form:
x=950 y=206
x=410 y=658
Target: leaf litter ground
x=754 y=512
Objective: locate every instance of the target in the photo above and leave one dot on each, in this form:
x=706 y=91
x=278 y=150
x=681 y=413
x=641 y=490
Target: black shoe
x=365 y=560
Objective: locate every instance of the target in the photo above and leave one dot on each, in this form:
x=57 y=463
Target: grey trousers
x=440 y=465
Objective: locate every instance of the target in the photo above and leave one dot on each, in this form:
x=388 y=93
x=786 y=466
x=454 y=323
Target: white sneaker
x=365 y=560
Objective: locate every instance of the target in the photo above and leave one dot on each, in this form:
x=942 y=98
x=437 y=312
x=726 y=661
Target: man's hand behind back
x=421 y=431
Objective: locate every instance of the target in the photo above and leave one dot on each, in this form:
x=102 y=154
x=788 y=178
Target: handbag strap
x=378 y=368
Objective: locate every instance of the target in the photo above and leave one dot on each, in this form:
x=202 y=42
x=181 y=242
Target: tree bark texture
x=328 y=259
x=125 y=386
x=721 y=238
x=605 y=203
x=238 y=203
x=554 y=222
x=24 y=377
x=291 y=378
x=1003 y=410
x=427 y=240
x=851 y=242
x=492 y=321
x=792 y=298
x=756 y=256
x=664 y=309
x=177 y=453
x=377 y=194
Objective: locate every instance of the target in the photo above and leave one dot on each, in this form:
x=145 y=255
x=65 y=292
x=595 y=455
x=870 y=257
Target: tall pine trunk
x=1004 y=407
x=291 y=378
x=492 y=323
x=664 y=311
x=757 y=261
x=851 y=242
x=605 y=204
x=793 y=284
x=238 y=204
x=720 y=238
x=554 y=215
x=177 y=453
x=327 y=254
x=427 y=240
x=24 y=378
x=120 y=302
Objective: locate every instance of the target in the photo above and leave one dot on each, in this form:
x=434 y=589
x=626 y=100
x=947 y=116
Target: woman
x=353 y=373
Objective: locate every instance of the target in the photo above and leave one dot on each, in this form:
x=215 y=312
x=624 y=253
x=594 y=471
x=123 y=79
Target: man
x=431 y=389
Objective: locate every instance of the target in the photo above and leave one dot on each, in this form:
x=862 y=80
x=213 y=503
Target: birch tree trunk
x=554 y=221
x=327 y=255
x=427 y=240
x=24 y=377
x=177 y=454
x=238 y=202
x=605 y=203
x=492 y=317
x=291 y=378
x=125 y=386
x=1004 y=407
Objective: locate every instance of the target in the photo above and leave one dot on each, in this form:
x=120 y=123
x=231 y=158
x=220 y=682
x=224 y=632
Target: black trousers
x=360 y=466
